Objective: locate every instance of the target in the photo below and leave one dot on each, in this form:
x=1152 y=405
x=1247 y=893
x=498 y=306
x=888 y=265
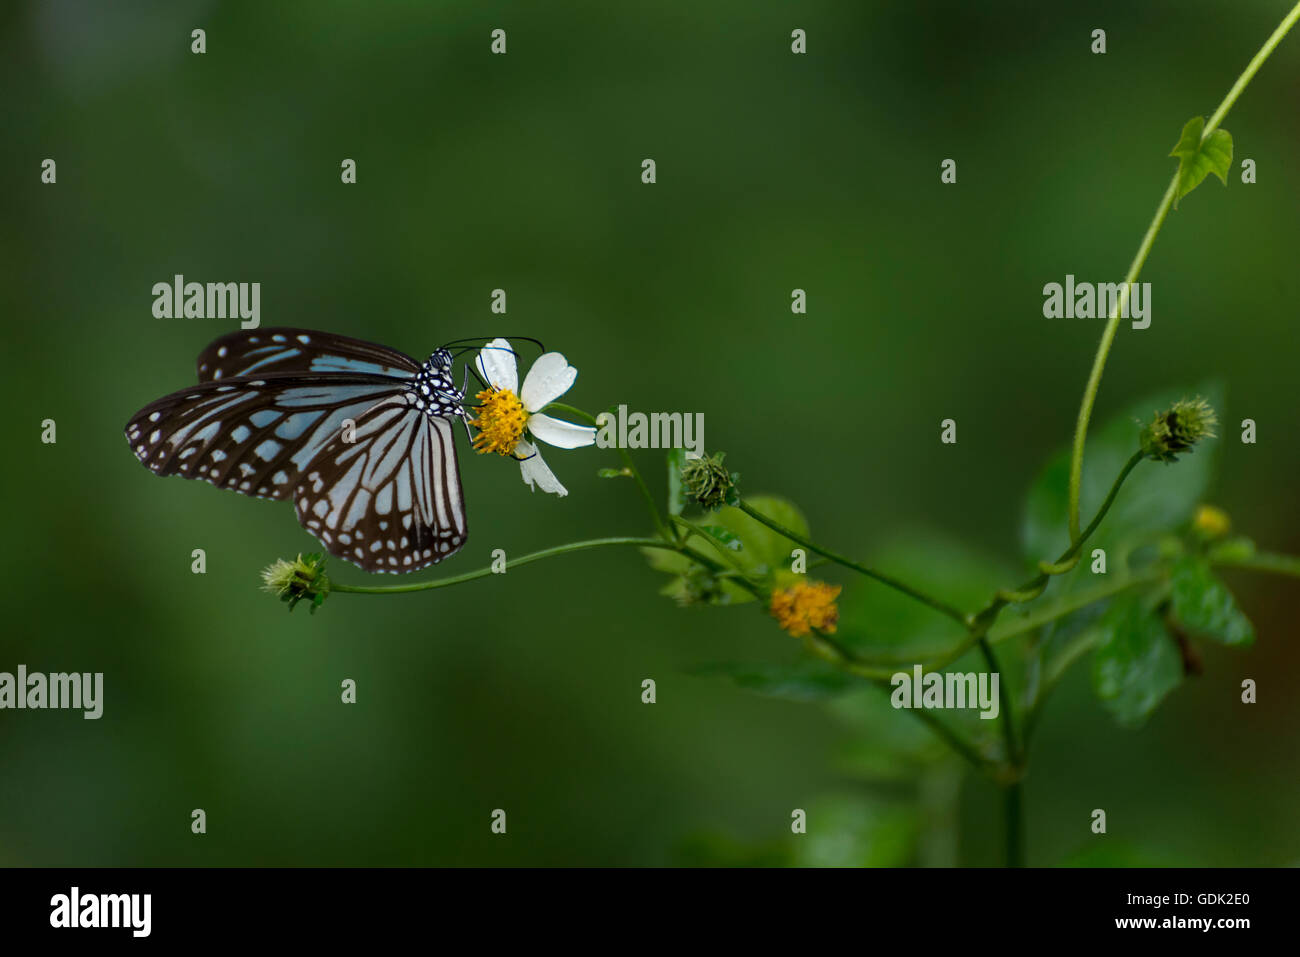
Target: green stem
x=1004 y=699
x=1103 y=351
x=664 y=530
x=1251 y=69
x=1014 y=795
x=1075 y=649
x=729 y=556
x=882 y=680
x=951 y=738
x=1015 y=824
x=721 y=571
x=1069 y=605
x=939 y=606
x=1261 y=562
x=981 y=623
x=1135 y=268
x=1003 y=631
x=1034 y=587
x=512 y=563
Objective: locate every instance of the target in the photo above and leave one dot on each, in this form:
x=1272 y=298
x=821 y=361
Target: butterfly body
x=357 y=435
x=433 y=390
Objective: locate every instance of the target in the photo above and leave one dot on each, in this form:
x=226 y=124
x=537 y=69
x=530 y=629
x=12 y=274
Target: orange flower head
x=805 y=606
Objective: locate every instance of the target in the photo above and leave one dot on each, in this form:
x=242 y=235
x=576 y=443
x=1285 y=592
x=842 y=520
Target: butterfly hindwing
x=387 y=497
x=278 y=351
x=254 y=436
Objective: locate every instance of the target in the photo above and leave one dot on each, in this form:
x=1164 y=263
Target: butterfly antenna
x=471 y=340
x=469 y=367
x=475 y=343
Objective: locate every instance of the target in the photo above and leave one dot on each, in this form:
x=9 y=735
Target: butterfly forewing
x=277 y=351
x=387 y=496
x=254 y=436
x=358 y=434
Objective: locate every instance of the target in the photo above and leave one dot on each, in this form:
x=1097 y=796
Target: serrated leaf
x=676 y=501
x=1204 y=605
x=1136 y=663
x=807 y=680
x=1197 y=159
x=1156 y=497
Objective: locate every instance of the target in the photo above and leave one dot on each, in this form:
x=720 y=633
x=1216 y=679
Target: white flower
x=506 y=413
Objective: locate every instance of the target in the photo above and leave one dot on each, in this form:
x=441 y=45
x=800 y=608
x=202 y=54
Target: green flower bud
x=708 y=483
x=302 y=579
x=1176 y=430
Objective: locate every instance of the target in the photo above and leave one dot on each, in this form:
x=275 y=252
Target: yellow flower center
x=500 y=423
x=805 y=606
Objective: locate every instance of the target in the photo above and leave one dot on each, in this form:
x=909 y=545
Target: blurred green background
x=522 y=171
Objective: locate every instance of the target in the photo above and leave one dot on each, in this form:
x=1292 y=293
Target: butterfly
x=357 y=435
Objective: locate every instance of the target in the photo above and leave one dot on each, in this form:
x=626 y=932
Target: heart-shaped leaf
x=1199 y=155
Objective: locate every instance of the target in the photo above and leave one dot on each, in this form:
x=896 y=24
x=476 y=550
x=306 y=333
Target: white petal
x=550 y=377
x=535 y=472
x=561 y=434
x=496 y=362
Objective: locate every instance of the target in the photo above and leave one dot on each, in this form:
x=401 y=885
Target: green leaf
x=759 y=552
x=1136 y=663
x=613 y=473
x=676 y=459
x=1196 y=160
x=1156 y=497
x=1204 y=605
x=661 y=560
x=724 y=536
x=886 y=627
x=807 y=680
x=763 y=550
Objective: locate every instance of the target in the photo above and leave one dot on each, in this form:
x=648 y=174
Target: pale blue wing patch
x=390 y=500
x=279 y=351
x=255 y=438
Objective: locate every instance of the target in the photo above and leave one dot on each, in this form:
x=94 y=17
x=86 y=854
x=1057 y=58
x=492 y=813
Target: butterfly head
x=433 y=390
